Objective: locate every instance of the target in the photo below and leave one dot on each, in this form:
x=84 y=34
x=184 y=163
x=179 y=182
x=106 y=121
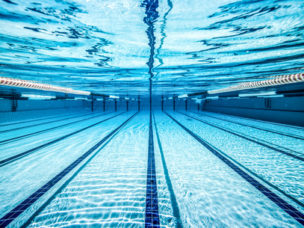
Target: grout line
x=261 y=142
x=45 y=130
x=33 y=120
x=47 y=202
x=289 y=209
x=173 y=200
x=25 y=153
x=259 y=128
x=19 y=209
x=43 y=123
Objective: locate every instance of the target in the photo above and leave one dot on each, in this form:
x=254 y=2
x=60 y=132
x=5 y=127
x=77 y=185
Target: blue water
x=68 y=163
x=189 y=46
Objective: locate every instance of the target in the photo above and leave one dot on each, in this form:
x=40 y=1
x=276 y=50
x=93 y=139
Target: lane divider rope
x=4 y=81
x=277 y=80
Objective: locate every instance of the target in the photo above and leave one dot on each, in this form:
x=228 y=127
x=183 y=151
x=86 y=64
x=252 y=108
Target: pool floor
x=164 y=169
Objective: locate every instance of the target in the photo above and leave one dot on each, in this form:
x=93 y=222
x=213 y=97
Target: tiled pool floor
x=206 y=174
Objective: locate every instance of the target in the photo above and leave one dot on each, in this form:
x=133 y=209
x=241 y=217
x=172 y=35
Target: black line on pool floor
x=43 y=123
x=25 y=153
x=255 y=127
x=253 y=139
x=19 y=209
x=260 y=121
x=65 y=184
x=152 y=214
x=45 y=130
x=289 y=209
x=173 y=200
x=265 y=181
x=36 y=119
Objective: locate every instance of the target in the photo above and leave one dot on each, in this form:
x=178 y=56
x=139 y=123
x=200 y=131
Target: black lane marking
x=292 y=211
x=274 y=110
x=43 y=123
x=152 y=214
x=14 y=213
x=43 y=206
x=48 y=129
x=261 y=121
x=25 y=153
x=33 y=120
x=253 y=139
x=261 y=178
x=259 y=128
x=173 y=200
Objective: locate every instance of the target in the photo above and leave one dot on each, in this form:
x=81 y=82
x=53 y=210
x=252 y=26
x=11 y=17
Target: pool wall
x=289 y=110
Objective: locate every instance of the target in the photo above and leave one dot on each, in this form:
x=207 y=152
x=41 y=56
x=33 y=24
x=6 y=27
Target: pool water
x=67 y=163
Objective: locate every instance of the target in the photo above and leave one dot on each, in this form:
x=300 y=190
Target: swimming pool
x=151 y=113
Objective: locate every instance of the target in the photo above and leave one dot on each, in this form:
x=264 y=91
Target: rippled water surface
x=184 y=46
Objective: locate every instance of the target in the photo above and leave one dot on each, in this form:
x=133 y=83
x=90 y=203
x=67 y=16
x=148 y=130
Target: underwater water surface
x=114 y=46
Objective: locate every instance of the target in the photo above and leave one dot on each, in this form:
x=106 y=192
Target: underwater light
x=183 y=96
x=114 y=97
x=278 y=80
x=197 y=100
x=38 y=97
x=265 y=93
x=81 y=99
x=212 y=98
x=39 y=86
